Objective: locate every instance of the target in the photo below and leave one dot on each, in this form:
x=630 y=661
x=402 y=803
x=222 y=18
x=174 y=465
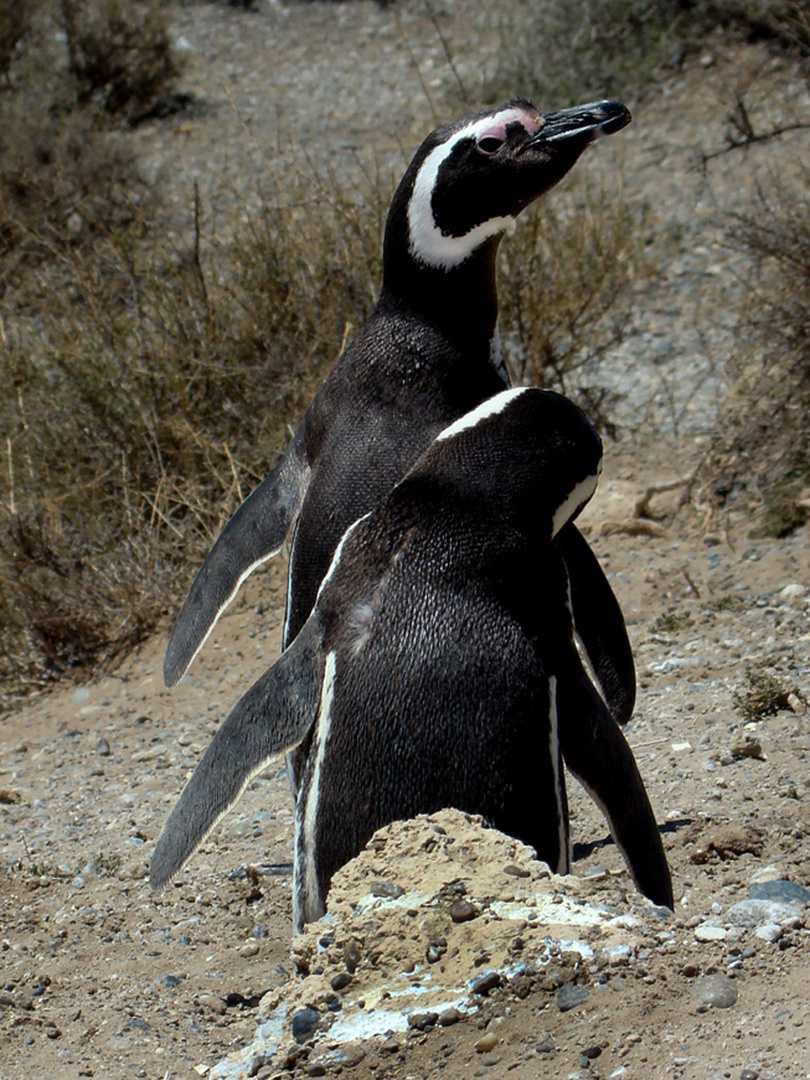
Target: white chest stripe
x=427 y=241
x=564 y=864
x=313 y=900
x=491 y=407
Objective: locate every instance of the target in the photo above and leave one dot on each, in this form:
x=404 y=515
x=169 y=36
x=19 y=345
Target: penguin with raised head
x=427 y=355
x=438 y=667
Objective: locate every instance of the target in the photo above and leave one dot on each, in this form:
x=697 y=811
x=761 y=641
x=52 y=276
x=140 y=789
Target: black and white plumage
x=438 y=667
x=426 y=356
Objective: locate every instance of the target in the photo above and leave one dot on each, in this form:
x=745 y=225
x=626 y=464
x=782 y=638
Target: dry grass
x=763 y=694
x=566 y=280
x=572 y=50
x=761 y=445
x=147 y=391
x=119 y=54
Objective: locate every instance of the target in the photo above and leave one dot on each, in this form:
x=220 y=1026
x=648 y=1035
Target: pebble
x=304 y=1023
x=463 y=911
x=248 y=950
x=753 y=913
x=103 y=747
x=341 y=981
x=388 y=890
x=749 y=1074
x=715 y=992
x=770 y=932
x=486 y=1043
x=568 y=997
x=449 y=1016
x=794 y=591
x=486 y=982
x=782 y=891
x=332 y=1061
x=421 y=1021
x=707 y=932
x=212 y=1003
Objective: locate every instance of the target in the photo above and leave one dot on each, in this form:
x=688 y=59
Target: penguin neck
x=462 y=302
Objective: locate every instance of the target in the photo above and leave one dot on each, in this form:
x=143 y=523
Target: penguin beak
x=593 y=120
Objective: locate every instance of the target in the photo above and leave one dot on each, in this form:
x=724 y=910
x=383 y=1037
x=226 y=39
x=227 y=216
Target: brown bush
x=119 y=54
x=761 y=443
x=14 y=22
x=566 y=280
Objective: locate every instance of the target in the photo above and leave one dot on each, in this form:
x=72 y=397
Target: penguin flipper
x=272 y=717
x=599 y=624
x=254 y=534
x=598 y=755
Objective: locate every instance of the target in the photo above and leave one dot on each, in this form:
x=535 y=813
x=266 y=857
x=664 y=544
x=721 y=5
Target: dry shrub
x=761 y=444
x=566 y=280
x=14 y=22
x=63 y=181
x=119 y=54
x=144 y=399
x=569 y=50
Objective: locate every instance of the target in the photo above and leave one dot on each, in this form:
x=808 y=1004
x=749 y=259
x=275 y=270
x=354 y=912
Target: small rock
x=517 y=871
x=544 y=1047
x=486 y=1043
x=568 y=997
x=389 y=890
x=449 y=1016
x=332 y=1061
x=707 y=932
x=304 y=1023
x=749 y=748
x=352 y=956
x=782 y=891
x=486 y=982
x=421 y=1021
x=248 y=950
x=752 y=913
x=341 y=981
x=212 y=1003
x=715 y=992
x=749 y=1074
x=463 y=911
x=794 y=591
x=103 y=747
x=770 y=932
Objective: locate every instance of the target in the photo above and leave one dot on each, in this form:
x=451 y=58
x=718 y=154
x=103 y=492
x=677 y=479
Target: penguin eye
x=489 y=145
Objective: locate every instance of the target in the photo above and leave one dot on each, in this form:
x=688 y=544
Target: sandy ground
x=100 y=977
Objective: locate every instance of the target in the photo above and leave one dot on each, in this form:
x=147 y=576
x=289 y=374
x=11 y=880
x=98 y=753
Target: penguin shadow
x=580 y=851
x=439 y=668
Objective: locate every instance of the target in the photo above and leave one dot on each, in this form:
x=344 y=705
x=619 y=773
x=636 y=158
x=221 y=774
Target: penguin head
x=471 y=178
x=529 y=456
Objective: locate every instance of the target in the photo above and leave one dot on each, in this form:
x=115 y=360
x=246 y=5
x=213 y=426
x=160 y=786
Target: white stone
x=706 y=932
x=769 y=932
x=794 y=591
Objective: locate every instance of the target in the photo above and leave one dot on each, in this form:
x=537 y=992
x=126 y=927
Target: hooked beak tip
x=595 y=120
